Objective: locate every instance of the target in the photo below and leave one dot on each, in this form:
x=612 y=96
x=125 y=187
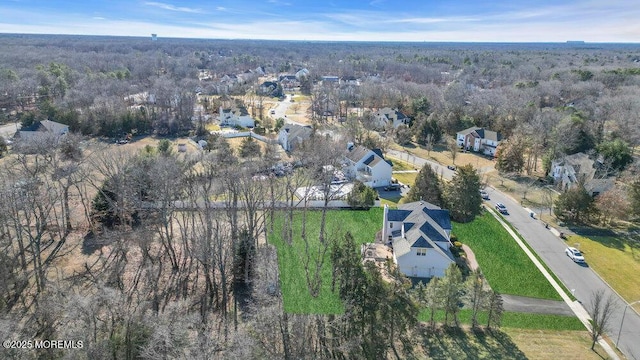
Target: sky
x=334 y=20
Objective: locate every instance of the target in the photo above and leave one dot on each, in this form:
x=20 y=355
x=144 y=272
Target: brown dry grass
x=553 y=344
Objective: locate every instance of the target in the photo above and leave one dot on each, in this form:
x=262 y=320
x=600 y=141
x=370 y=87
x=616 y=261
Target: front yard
x=615 y=259
x=505 y=266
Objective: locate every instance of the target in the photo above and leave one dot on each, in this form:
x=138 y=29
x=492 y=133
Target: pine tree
x=463 y=194
x=451 y=289
x=427 y=187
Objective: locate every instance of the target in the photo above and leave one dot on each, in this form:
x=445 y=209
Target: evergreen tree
x=451 y=290
x=510 y=155
x=428 y=127
x=575 y=205
x=462 y=194
x=616 y=153
x=249 y=148
x=427 y=187
x=362 y=196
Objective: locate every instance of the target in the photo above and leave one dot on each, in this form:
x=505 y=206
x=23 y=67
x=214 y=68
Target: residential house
x=349 y=81
x=386 y=116
x=330 y=80
x=270 y=88
x=291 y=136
x=43 y=127
x=236 y=117
x=419 y=234
x=302 y=73
x=479 y=140
x=367 y=166
x=288 y=81
x=572 y=170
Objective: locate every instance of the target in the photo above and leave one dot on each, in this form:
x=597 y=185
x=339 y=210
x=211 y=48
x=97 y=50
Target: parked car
x=501 y=208
x=574 y=254
x=451 y=167
x=392 y=187
x=484 y=195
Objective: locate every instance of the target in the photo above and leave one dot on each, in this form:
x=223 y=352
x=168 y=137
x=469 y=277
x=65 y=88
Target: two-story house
x=419 y=235
x=236 y=117
x=386 y=116
x=479 y=140
x=367 y=166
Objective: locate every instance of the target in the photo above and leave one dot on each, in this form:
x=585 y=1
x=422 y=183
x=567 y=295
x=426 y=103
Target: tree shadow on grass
x=456 y=343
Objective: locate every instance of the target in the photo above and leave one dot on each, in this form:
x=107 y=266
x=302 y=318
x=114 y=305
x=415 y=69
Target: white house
x=419 y=234
x=236 y=117
x=291 y=136
x=479 y=140
x=386 y=116
x=367 y=166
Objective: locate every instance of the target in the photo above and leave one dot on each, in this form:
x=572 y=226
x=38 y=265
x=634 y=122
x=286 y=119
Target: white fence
x=250 y=134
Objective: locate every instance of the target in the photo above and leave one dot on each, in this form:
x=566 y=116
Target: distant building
x=154 y=37
x=387 y=115
x=479 y=140
x=236 y=117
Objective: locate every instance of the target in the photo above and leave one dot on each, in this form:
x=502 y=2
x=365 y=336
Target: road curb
x=577 y=308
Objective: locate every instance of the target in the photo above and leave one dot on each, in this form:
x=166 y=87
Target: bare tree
x=601 y=309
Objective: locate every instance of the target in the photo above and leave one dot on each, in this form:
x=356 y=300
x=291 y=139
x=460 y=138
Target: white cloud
x=173 y=8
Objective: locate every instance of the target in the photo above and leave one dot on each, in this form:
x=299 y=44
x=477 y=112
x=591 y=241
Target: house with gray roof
x=386 y=116
x=367 y=166
x=291 y=136
x=479 y=140
x=43 y=128
x=419 y=234
x=570 y=170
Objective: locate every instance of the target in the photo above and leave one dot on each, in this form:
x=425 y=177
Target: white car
x=574 y=254
x=484 y=195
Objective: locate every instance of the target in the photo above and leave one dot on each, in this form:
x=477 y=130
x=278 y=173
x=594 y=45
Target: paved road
x=580 y=279
x=281 y=111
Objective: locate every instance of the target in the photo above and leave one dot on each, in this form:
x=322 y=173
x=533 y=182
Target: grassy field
x=506 y=267
x=516 y=320
x=549 y=344
x=443 y=156
x=363 y=225
x=616 y=260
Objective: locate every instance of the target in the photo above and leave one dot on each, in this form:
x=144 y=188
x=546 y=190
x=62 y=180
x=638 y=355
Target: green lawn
x=363 y=225
x=505 y=266
x=615 y=259
x=516 y=320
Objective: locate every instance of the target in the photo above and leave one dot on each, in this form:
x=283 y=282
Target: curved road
x=580 y=279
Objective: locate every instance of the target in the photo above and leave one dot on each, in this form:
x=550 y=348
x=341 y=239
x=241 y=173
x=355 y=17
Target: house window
x=421 y=251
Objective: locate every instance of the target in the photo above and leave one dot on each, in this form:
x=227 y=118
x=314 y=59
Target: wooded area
x=155 y=254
